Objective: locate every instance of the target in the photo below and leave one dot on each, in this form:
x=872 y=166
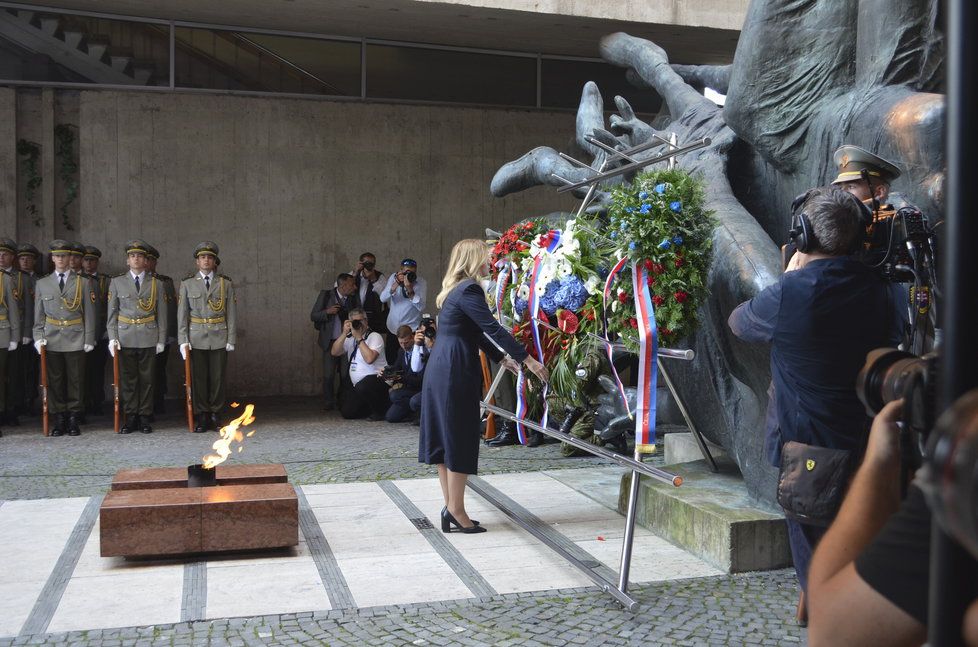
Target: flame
x=229 y=434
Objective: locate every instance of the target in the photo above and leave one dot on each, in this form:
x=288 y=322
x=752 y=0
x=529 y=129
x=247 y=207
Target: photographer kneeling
x=404 y=380
x=365 y=350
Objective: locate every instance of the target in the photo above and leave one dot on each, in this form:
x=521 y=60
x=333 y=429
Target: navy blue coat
x=821 y=322
x=452 y=388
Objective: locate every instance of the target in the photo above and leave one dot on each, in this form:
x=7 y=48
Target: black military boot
x=60 y=424
x=506 y=436
x=215 y=421
x=144 y=426
x=73 y=425
x=200 y=423
x=128 y=424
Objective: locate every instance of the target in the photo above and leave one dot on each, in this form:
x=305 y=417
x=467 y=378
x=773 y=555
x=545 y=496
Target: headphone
x=802 y=233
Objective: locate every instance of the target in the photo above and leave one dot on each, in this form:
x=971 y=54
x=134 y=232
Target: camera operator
x=370 y=284
x=821 y=318
x=405 y=382
x=405 y=295
x=364 y=350
x=329 y=313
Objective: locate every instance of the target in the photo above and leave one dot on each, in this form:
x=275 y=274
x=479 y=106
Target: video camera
x=428 y=323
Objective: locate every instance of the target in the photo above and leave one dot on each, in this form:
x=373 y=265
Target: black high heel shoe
x=447 y=521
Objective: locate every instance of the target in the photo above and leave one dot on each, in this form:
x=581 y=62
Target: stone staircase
x=92 y=57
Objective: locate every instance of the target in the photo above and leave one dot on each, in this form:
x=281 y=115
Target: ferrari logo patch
x=810 y=464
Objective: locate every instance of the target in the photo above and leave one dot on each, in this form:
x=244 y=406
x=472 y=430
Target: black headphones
x=802 y=233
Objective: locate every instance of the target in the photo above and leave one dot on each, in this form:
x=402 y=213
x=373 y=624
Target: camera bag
x=813 y=481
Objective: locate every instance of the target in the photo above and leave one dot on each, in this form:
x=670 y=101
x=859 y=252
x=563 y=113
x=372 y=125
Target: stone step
x=50 y=24
x=712 y=516
x=74 y=38
x=682 y=448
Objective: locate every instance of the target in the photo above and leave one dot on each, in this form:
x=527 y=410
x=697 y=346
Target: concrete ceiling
x=431 y=22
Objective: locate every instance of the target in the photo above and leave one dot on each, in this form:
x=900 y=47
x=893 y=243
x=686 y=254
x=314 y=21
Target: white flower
x=614 y=305
x=524 y=292
x=593 y=285
x=540 y=290
x=563 y=269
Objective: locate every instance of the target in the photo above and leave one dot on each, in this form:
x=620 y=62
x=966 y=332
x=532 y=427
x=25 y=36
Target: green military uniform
x=14 y=399
x=64 y=322
x=206 y=320
x=170 y=297
x=28 y=357
x=96 y=360
x=137 y=327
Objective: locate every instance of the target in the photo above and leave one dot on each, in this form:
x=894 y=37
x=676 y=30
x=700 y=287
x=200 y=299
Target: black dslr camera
x=411 y=276
x=428 y=323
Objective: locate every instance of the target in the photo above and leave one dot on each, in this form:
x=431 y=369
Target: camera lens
x=411 y=276
x=890 y=374
x=356 y=324
x=368 y=265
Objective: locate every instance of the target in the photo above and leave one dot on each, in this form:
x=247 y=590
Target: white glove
x=159 y=348
x=39 y=343
x=24 y=341
x=88 y=348
x=114 y=346
x=229 y=347
x=12 y=345
x=184 y=348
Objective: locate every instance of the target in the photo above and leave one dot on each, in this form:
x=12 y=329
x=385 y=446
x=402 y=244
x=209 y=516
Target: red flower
x=664 y=331
x=589 y=314
x=679 y=262
x=657 y=300
x=623 y=297
x=657 y=268
x=633 y=322
x=681 y=296
x=648 y=265
x=651 y=280
x=567 y=321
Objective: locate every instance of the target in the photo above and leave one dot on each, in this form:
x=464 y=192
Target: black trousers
x=400 y=409
x=13 y=375
x=137 y=371
x=95 y=375
x=367 y=398
x=159 y=384
x=66 y=381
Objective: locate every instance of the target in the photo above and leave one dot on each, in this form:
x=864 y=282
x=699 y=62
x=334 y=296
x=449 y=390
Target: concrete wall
x=292 y=191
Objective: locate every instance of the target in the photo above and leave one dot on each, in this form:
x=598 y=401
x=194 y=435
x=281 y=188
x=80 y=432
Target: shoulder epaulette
x=163 y=277
x=115 y=276
x=226 y=277
x=189 y=276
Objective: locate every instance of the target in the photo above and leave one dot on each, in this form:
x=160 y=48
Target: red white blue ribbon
x=647 y=364
x=534 y=307
x=502 y=280
x=604 y=323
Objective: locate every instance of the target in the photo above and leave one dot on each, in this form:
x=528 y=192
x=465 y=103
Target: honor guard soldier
x=170 y=296
x=137 y=331
x=27 y=258
x=95 y=361
x=64 y=323
x=77 y=254
x=865 y=175
x=206 y=328
x=10 y=319
x=14 y=399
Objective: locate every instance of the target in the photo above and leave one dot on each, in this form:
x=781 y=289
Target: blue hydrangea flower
x=571 y=293
x=614 y=235
x=643 y=195
x=520 y=306
x=631 y=245
x=665 y=244
x=548 y=302
x=660 y=188
x=646 y=207
x=676 y=206
x=603 y=269
x=677 y=241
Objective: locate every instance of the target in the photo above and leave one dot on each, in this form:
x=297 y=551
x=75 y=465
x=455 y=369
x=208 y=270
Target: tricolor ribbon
x=604 y=323
x=534 y=307
x=648 y=368
x=502 y=280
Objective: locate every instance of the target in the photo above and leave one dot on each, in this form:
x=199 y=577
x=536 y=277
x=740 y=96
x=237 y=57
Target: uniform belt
x=137 y=320
x=207 y=320
x=65 y=322
x=3 y=317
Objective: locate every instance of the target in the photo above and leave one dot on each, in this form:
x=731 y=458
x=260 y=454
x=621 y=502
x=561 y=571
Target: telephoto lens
x=890 y=374
x=412 y=277
x=356 y=324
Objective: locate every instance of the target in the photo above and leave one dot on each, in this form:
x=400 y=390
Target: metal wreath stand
x=619 y=589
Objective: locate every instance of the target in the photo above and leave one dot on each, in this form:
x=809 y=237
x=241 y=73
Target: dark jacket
x=323 y=321
x=821 y=321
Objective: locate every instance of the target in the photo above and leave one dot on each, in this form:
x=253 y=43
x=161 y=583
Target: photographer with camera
x=405 y=381
x=405 y=295
x=364 y=350
x=821 y=318
x=329 y=313
x=370 y=284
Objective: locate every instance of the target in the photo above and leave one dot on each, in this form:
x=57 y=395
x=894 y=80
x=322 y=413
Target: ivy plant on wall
x=31 y=154
x=64 y=151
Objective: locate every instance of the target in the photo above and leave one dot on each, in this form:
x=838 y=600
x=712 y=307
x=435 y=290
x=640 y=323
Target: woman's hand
x=511 y=365
x=537 y=369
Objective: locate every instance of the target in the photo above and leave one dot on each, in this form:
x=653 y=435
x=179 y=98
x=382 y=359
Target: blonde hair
x=468 y=258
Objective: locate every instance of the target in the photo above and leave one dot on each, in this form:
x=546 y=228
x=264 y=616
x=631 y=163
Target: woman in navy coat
x=452 y=388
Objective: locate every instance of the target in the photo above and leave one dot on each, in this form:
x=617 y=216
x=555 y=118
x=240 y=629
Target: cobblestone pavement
x=317 y=447
x=732 y=610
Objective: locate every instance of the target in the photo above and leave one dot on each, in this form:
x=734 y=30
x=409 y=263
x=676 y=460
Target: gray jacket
x=137 y=320
x=206 y=319
x=10 y=317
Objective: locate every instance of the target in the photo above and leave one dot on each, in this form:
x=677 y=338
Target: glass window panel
x=395 y=72
x=562 y=81
x=65 y=48
x=230 y=60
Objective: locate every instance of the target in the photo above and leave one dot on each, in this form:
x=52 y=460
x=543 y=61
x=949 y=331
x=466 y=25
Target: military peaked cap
x=853 y=160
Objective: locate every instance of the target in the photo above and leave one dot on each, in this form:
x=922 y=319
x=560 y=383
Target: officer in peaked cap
x=95 y=361
x=863 y=174
x=27 y=258
x=77 y=251
x=64 y=322
x=137 y=332
x=170 y=296
x=206 y=327
x=16 y=393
